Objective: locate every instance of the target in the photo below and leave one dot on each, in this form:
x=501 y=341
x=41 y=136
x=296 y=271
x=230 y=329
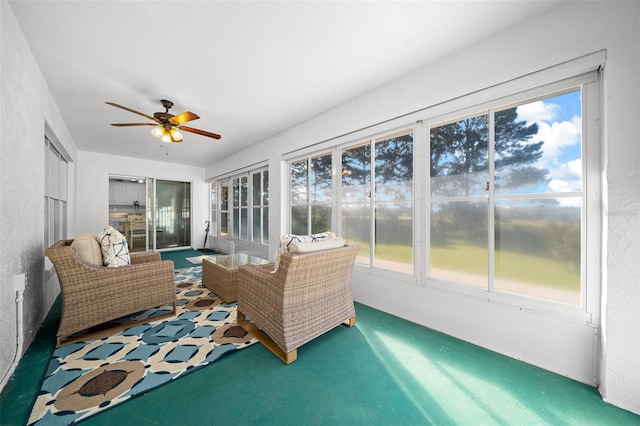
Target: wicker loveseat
x=308 y=295
x=93 y=295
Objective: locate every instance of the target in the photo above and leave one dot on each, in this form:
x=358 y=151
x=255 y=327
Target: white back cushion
x=298 y=246
x=87 y=248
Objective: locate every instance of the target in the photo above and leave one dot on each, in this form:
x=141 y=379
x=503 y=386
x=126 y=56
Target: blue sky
x=560 y=127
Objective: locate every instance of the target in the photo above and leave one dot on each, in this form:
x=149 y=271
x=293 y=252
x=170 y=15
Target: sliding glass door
x=172 y=214
x=161 y=207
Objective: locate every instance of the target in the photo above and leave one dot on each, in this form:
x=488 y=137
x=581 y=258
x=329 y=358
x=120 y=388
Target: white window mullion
x=309 y=201
x=420 y=199
x=372 y=206
x=591 y=212
x=336 y=176
x=491 y=201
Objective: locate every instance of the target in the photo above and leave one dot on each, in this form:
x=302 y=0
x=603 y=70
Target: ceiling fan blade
x=179 y=119
x=133 y=111
x=199 y=132
x=133 y=124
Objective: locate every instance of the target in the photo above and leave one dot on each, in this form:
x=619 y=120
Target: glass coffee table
x=220 y=273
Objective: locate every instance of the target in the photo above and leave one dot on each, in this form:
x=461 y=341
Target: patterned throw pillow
x=115 y=250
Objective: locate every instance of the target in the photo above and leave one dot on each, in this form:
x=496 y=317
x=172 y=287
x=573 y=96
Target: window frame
x=588 y=310
x=239 y=188
x=336 y=152
x=228 y=181
x=373 y=201
x=309 y=202
x=262 y=205
x=56 y=196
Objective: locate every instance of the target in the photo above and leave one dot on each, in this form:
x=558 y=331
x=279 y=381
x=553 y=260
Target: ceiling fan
x=166 y=124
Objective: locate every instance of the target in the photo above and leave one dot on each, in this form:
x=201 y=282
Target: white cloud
x=575 y=168
x=565 y=177
x=556 y=135
x=537 y=112
x=556 y=185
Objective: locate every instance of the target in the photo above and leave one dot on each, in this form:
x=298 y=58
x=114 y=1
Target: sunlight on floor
x=462 y=397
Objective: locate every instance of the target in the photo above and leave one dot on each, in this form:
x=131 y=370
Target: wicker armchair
x=307 y=296
x=93 y=295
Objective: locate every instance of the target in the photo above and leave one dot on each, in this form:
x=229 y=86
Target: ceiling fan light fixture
x=167 y=135
x=168 y=124
x=175 y=135
x=158 y=131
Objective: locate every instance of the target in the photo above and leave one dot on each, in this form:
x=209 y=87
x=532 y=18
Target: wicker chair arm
x=258 y=270
x=93 y=272
x=158 y=267
x=258 y=283
x=144 y=257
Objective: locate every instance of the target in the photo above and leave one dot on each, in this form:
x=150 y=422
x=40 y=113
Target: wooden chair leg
x=267 y=342
x=350 y=322
x=289 y=357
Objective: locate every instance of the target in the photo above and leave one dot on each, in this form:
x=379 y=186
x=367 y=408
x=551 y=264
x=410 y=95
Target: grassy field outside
x=391 y=252
x=513 y=266
x=469 y=259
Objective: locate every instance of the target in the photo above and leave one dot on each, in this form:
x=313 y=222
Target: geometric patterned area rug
x=85 y=378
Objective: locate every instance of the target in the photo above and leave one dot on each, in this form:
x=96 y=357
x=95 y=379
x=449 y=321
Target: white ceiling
x=250 y=70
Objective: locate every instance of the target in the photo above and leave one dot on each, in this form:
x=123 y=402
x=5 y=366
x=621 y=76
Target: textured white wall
x=568 y=32
x=25 y=107
x=93 y=189
x=620 y=364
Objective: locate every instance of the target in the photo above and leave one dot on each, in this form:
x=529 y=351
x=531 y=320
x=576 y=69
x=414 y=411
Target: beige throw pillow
x=87 y=248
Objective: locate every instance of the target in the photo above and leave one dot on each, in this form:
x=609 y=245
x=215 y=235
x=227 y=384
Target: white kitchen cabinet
x=132 y=192
x=117 y=192
x=125 y=192
x=142 y=193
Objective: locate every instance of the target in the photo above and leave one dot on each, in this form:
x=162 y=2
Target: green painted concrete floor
x=179 y=257
x=384 y=371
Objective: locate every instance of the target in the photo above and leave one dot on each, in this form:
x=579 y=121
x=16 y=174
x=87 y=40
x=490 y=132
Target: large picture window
x=506 y=199
x=375 y=207
x=356 y=199
x=377 y=200
x=311 y=195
